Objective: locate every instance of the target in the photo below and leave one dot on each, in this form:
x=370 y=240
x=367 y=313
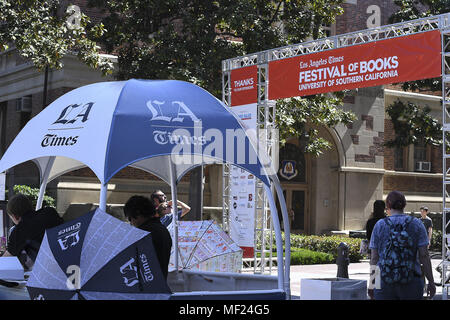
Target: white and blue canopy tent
x=164 y=127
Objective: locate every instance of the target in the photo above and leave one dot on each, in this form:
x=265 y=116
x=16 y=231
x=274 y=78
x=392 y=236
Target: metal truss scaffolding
x=266 y=110
x=445 y=38
x=262 y=261
x=265 y=132
x=334 y=42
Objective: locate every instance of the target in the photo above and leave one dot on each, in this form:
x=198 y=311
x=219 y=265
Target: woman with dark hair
x=377 y=214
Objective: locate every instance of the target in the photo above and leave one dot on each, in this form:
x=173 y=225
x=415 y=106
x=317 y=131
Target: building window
x=421 y=158
x=420 y=152
x=399 y=159
x=24 y=107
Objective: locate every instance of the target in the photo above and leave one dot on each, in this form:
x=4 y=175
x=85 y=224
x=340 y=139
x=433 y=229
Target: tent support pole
x=173 y=190
x=103 y=193
x=287 y=234
x=44 y=181
x=278 y=237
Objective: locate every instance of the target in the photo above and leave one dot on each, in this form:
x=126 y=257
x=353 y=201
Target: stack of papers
x=11 y=269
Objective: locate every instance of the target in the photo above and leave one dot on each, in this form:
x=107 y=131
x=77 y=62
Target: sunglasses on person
x=161 y=197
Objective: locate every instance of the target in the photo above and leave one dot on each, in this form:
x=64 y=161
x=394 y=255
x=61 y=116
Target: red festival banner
x=244 y=86
x=401 y=59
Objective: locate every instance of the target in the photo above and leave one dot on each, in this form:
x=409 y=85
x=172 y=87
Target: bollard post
x=342 y=260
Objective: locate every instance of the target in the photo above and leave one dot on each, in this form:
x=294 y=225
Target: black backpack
x=397 y=261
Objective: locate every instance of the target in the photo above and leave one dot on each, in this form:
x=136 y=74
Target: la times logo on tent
x=128 y=271
x=71 y=116
x=195 y=146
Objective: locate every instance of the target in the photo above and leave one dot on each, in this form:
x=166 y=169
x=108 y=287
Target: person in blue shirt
x=164 y=207
x=378 y=288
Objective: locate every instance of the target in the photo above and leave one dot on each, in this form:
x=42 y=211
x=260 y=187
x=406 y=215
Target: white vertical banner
x=2 y=213
x=244 y=97
x=2 y=185
x=242 y=209
x=247 y=113
x=2 y=228
x=242 y=192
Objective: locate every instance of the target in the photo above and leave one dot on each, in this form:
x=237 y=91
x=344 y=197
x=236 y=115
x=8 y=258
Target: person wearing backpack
x=399 y=246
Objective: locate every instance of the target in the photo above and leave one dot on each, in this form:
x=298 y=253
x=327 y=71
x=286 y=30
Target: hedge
x=324 y=244
x=305 y=257
x=436 y=240
x=328 y=244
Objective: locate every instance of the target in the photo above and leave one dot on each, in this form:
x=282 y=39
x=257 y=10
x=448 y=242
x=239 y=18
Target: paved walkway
x=357 y=271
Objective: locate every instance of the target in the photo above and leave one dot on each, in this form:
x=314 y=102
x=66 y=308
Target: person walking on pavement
x=427 y=222
x=399 y=245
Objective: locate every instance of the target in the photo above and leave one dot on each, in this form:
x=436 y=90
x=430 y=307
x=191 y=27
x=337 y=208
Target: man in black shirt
x=26 y=237
x=141 y=214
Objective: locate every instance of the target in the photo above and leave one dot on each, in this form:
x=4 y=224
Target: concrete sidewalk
x=357 y=271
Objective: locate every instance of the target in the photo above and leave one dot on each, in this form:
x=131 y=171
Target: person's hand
x=169 y=207
x=162 y=208
x=431 y=290
x=370 y=293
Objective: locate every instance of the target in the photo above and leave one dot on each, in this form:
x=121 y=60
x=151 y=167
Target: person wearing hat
x=427 y=222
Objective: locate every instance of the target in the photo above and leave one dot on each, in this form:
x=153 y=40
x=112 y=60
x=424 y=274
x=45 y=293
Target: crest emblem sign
x=288 y=169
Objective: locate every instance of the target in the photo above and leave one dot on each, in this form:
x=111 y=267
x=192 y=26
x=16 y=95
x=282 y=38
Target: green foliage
x=300 y=117
x=33 y=194
x=413 y=125
x=436 y=240
x=328 y=244
x=40 y=31
x=320 y=244
x=307 y=257
x=189 y=39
